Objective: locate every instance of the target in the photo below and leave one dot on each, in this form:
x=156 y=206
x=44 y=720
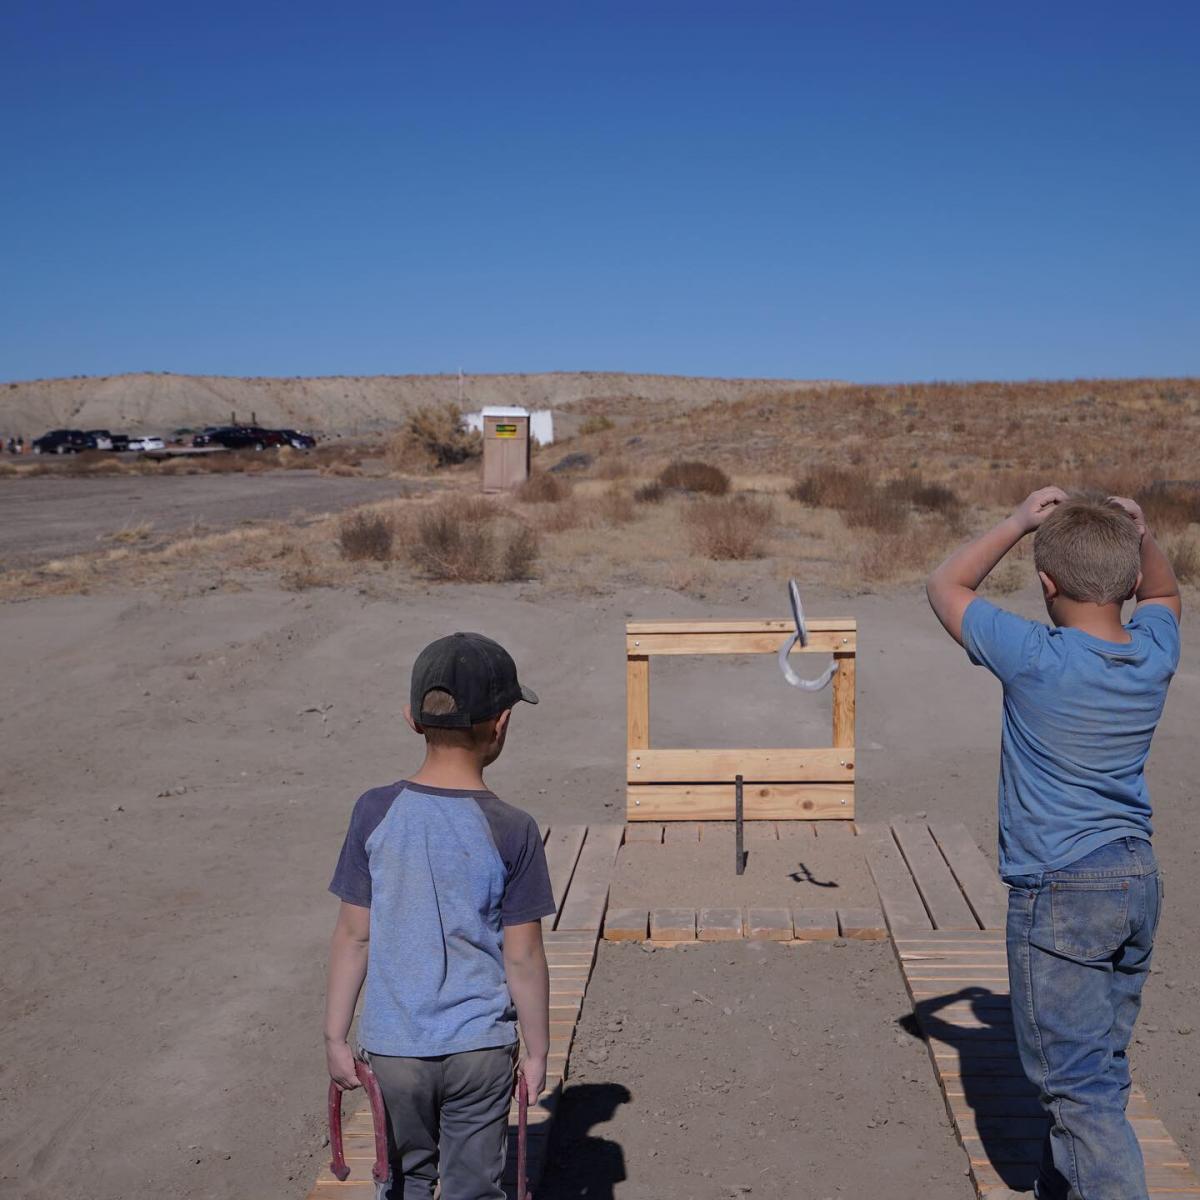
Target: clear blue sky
x=873 y=191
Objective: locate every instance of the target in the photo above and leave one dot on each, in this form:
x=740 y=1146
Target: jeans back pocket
x=1090 y=917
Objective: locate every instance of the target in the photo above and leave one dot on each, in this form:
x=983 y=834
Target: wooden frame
x=698 y=785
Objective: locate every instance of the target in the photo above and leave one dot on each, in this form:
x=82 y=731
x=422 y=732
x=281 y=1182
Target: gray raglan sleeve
x=527 y=892
x=351 y=880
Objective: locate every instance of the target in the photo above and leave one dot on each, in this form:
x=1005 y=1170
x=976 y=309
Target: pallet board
x=947 y=922
x=580 y=860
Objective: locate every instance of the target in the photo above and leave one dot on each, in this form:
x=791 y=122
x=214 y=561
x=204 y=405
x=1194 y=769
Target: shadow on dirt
x=580 y=1163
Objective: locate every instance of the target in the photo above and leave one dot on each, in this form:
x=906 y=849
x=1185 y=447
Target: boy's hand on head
x=1133 y=509
x=340 y=1060
x=533 y=1071
x=1037 y=506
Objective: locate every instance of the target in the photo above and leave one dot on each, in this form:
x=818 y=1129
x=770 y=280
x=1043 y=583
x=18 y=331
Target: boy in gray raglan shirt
x=447 y=885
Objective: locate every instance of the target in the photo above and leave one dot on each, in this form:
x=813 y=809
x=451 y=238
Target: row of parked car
x=76 y=441
x=229 y=437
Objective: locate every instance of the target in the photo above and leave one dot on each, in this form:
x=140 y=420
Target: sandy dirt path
x=49 y=516
x=176 y=777
x=751 y=1070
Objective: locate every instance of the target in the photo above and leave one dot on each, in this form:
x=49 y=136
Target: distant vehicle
x=298 y=440
x=147 y=443
x=120 y=441
x=240 y=437
x=99 y=439
x=61 y=441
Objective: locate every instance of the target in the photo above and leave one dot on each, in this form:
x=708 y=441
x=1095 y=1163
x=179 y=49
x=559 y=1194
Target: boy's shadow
x=1008 y=1116
x=579 y=1164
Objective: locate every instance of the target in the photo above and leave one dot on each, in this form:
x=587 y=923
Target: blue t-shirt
x=442 y=871
x=1079 y=714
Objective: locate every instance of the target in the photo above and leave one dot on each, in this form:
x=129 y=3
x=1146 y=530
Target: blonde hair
x=1091 y=549
x=439 y=703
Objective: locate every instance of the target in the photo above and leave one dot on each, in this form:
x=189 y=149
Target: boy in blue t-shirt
x=1081 y=702
x=447 y=886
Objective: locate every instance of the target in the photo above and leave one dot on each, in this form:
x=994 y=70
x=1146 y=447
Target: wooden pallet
x=581 y=859
x=945 y=908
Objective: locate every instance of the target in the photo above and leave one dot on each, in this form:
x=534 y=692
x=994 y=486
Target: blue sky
x=872 y=191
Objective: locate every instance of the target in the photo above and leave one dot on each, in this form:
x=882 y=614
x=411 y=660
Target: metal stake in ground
x=739 y=831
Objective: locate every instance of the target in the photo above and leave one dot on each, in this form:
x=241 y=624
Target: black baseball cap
x=478 y=672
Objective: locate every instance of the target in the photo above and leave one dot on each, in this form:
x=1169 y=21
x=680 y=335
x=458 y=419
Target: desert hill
x=347 y=404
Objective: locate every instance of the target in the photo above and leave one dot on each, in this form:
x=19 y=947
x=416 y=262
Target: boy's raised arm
x=1158 y=584
x=952 y=587
x=529 y=986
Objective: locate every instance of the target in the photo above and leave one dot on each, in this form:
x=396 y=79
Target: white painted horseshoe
x=801 y=636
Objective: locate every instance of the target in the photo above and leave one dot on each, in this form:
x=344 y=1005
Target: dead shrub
x=730 y=527
x=1184 y=556
x=1169 y=508
x=650 y=493
x=558 y=518
x=542 y=488
x=520 y=554
x=612 y=468
x=457 y=539
x=875 y=510
x=700 y=477
x=595 y=424
x=932 y=497
x=829 y=487
x=436 y=433
x=365 y=535
x=615 y=506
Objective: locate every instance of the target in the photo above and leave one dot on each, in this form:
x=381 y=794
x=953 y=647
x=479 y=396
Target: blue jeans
x=1079 y=945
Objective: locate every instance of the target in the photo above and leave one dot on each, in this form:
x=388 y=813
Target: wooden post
x=843 y=701
x=637 y=699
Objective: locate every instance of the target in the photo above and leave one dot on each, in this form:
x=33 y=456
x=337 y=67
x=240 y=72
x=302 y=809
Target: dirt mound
x=348 y=404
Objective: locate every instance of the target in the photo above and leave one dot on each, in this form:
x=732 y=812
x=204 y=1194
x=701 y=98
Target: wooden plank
x=719 y=924
x=815 y=924
x=562 y=853
x=843 y=701
x=731 y=641
x=939 y=889
x=759 y=625
x=763 y=801
x=769 y=924
x=862 y=924
x=587 y=897
x=672 y=924
x=986 y=895
x=644 y=832
x=822 y=765
x=626 y=924
x=637 y=701
x=898 y=894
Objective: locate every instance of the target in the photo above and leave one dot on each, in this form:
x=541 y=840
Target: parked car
x=120 y=441
x=61 y=441
x=147 y=443
x=240 y=437
x=99 y=439
x=298 y=440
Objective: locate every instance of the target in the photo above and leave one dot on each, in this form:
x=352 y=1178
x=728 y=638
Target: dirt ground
x=751 y=1070
x=49 y=516
x=178 y=769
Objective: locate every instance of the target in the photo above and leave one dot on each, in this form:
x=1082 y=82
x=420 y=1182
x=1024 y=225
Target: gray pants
x=448 y=1118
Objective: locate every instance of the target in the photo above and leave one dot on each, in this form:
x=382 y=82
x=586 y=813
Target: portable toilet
x=506 y=448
